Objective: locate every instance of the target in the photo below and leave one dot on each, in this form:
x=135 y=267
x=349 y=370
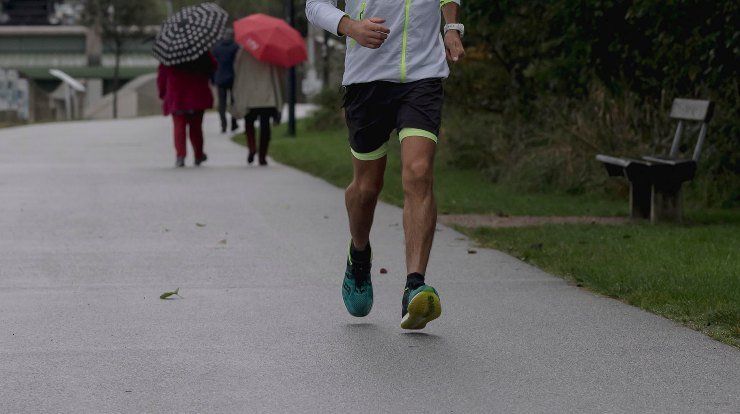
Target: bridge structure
x=34 y=40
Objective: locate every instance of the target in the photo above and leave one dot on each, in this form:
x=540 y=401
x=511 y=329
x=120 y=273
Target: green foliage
x=329 y=115
x=559 y=81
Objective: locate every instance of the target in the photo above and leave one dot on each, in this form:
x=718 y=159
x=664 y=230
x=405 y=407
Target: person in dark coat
x=225 y=52
x=186 y=94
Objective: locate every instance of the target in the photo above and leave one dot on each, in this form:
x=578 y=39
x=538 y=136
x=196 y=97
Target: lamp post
x=290 y=11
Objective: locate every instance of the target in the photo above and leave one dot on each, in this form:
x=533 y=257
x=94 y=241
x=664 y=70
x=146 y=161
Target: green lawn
x=688 y=273
x=326 y=155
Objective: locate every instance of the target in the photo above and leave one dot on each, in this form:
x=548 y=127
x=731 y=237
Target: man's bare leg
x=361 y=198
x=419 y=207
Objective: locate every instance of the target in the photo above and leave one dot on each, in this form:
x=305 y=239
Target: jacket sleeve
x=325 y=14
x=162 y=81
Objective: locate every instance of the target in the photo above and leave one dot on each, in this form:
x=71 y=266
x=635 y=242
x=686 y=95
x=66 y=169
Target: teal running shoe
x=419 y=307
x=357 y=289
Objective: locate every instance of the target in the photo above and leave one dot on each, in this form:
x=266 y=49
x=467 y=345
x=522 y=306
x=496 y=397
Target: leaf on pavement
x=166 y=295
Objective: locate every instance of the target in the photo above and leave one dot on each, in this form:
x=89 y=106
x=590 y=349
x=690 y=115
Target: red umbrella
x=270 y=40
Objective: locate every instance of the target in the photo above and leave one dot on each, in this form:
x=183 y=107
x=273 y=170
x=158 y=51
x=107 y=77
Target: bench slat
x=664 y=160
x=691 y=110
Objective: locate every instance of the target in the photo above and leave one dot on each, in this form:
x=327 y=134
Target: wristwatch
x=455 y=26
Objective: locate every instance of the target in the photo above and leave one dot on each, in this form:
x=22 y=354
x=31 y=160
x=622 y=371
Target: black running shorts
x=373 y=110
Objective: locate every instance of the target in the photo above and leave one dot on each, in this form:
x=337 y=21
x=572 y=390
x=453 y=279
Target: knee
x=417 y=175
x=367 y=191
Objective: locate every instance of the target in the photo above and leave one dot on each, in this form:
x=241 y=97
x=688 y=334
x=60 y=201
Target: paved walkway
x=96 y=223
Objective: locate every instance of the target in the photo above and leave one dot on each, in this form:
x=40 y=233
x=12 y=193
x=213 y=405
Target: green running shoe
x=419 y=307
x=357 y=289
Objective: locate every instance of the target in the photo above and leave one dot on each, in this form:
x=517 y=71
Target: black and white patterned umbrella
x=189 y=33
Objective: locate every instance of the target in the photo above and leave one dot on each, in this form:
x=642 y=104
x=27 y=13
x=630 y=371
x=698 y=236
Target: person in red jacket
x=186 y=94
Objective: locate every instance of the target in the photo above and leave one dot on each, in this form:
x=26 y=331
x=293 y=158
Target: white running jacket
x=413 y=51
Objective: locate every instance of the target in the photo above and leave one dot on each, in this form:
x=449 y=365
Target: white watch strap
x=455 y=26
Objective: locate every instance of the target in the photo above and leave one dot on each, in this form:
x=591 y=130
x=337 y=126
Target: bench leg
x=666 y=205
x=640 y=195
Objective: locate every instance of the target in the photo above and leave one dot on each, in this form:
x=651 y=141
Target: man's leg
x=361 y=198
x=420 y=302
x=419 y=207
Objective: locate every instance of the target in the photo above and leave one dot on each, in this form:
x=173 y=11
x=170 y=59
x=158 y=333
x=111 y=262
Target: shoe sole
x=423 y=308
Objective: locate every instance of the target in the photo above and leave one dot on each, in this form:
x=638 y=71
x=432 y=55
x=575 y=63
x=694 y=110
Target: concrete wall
x=137 y=98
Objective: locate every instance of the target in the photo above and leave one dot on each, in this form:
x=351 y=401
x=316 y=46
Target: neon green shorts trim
x=371 y=156
x=416 y=132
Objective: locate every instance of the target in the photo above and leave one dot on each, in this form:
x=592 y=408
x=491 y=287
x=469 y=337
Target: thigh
x=265 y=122
x=370 y=114
x=420 y=110
x=369 y=173
x=179 y=122
x=195 y=120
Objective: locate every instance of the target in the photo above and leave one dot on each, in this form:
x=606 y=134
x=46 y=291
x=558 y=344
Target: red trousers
x=183 y=122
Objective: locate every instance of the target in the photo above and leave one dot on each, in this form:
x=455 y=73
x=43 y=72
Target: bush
x=548 y=85
x=330 y=114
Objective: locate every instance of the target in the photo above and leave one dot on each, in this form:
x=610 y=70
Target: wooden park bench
x=655 y=181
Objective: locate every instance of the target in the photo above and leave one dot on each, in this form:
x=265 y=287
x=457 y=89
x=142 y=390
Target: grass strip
x=690 y=274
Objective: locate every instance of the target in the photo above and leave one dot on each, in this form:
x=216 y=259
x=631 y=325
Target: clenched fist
x=369 y=32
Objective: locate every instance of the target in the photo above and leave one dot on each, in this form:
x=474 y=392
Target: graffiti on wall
x=14 y=92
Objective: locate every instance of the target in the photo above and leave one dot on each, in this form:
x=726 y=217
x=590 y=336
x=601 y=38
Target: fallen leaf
x=472 y=251
x=326 y=217
x=383 y=270
x=222 y=241
x=200 y=224
x=166 y=295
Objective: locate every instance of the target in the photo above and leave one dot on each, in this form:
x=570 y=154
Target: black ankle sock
x=414 y=280
x=360 y=256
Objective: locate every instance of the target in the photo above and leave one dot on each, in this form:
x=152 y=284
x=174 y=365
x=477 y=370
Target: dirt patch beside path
x=476 y=220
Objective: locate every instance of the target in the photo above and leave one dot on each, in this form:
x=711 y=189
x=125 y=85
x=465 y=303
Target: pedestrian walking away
x=394 y=67
x=186 y=94
x=225 y=53
x=258 y=94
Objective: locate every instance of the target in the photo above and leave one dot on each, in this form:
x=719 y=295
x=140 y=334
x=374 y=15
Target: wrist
x=455 y=27
x=346 y=27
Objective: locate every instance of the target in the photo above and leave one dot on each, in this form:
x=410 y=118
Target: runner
x=394 y=67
